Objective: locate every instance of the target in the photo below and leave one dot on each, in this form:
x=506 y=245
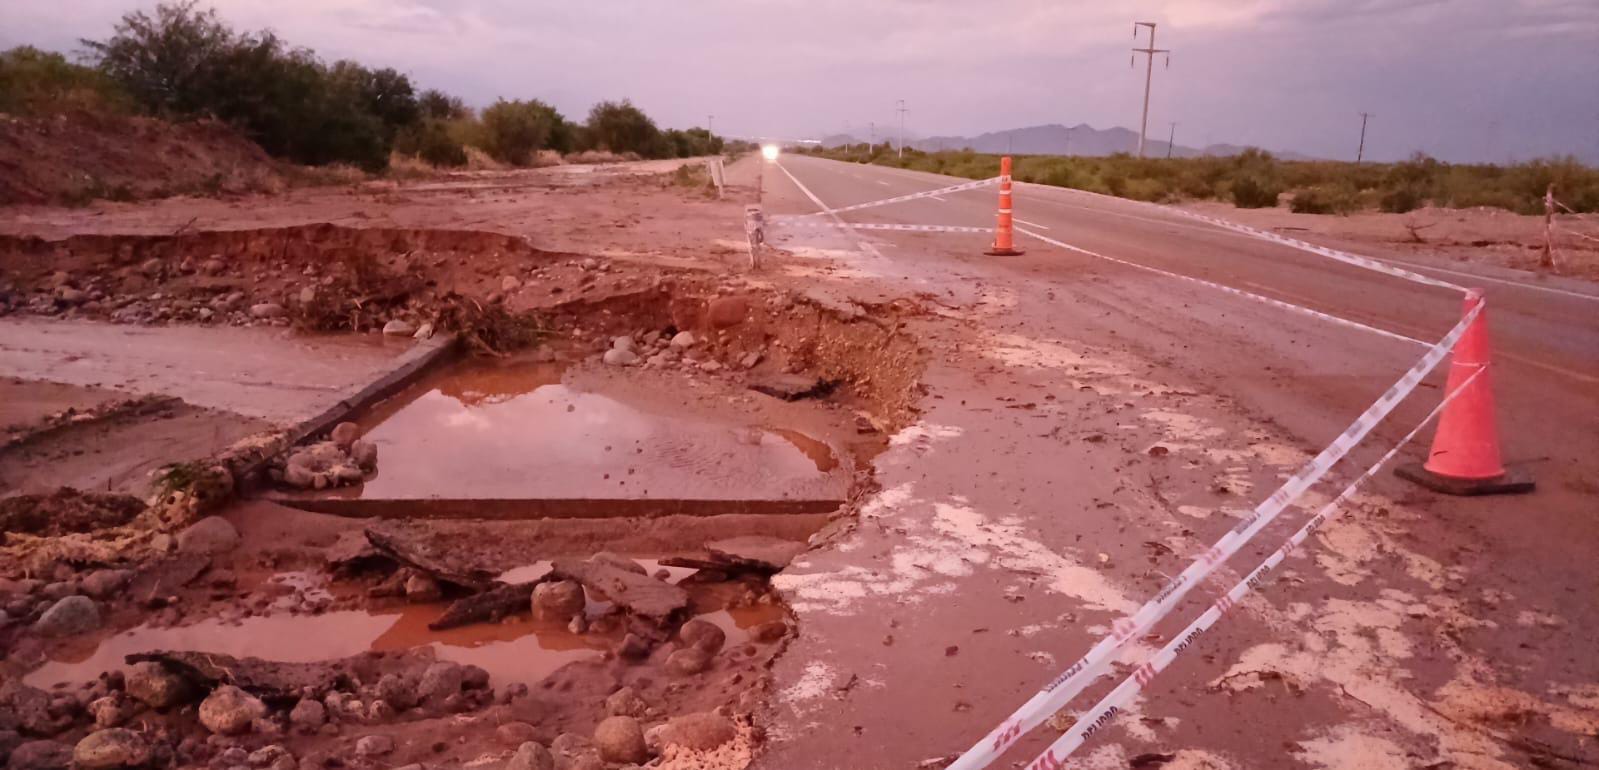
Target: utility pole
x=1149 y=75
x=901 y=107
x=871 y=142
x=1171 y=139
x=710 y=125
x=1360 y=152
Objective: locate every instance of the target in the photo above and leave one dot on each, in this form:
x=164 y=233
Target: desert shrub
x=693 y=142
x=34 y=81
x=431 y=141
x=441 y=106
x=621 y=127
x=1325 y=199
x=1402 y=199
x=514 y=130
x=1254 y=191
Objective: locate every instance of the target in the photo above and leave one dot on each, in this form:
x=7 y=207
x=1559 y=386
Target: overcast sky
x=1460 y=79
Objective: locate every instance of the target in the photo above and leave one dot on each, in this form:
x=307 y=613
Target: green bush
x=1402 y=199
x=1252 y=191
x=514 y=131
x=620 y=127
x=1325 y=199
x=432 y=141
x=34 y=81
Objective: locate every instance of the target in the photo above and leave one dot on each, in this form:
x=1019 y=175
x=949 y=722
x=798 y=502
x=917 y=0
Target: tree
x=514 y=130
x=441 y=106
x=621 y=127
x=167 y=63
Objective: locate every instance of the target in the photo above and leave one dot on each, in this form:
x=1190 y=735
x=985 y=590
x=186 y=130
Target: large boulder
x=208 y=536
x=558 y=601
x=704 y=635
x=153 y=685
x=69 y=616
x=229 y=710
x=700 y=731
x=620 y=739
x=41 y=755
x=440 y=681
x=531 y=756
x=113 y=748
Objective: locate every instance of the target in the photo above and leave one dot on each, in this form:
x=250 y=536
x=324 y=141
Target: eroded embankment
x=206 y=629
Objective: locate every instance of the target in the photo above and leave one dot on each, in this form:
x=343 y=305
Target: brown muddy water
x=496 y=430
x=517 y=649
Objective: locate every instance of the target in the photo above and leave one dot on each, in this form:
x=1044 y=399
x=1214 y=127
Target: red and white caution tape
x=1073 y=680
x=1230 y=290
x=1569 y=231
x=1112 y=704
x=1341 y=256
x=898 y=199
x=888 y=226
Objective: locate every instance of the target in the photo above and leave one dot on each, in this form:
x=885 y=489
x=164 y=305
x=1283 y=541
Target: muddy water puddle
x=496 y=430
x=517 y=649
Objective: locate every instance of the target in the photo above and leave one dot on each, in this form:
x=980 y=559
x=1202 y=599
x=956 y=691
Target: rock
x=308 y=715
x=299 y=476
x=625 y=703
x=620 y=739
x=558 y=601
x=267 y=310
x=41 y=755
x=153 y=685
x=789 y=387
x=69 y=616
x=272 y=756
x=229 y=710
x=394 y=689
x=213 y=266
x=364 y=454
x=474 y=677
x=424 y=332
x=399 y=328
x=683 y=340
x=112 y=748
x=514 y=733
x=727 y=312
x=150 y=266
x=60 y=589
x=308 y=295
x=711 y=366
x=617 y=357
x=625 y=342
x=346 y=473
x=374 y=746
x=619 y=561
x=421 y=588
x=112 y=710
x=510 y=283
x=770 y=631
x=208 y=536
x=704 y=635
x=688 y=661
x=531 y=756
x=750 y=360
x=702 y=731
x=344 y=434
x=439 y=681
x=633 y=647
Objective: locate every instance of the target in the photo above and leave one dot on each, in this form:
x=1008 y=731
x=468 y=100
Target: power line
x=1149 y=74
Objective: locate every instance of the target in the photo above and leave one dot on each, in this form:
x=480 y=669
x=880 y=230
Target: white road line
x=1030 y=224
x=881 y=182
x=859 y=241
x=936 y=198
x=1230 y=290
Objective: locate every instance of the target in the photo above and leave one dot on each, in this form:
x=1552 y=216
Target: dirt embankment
x=77 y=157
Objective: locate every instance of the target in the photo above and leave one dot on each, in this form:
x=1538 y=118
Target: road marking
x=1230 y=290
x=1030 y=224
x=881 y=182
x=936 y=198
x=859 y=241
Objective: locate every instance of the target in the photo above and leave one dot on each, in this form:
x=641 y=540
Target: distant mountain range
x=1056 y=139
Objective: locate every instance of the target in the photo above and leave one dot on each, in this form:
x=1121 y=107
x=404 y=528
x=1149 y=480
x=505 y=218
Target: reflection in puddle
x=489 y=430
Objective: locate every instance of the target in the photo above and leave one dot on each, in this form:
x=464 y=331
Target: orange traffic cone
x=1465 y=457
x=1004 y=239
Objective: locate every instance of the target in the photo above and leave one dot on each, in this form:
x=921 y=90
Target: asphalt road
x=1274 y=371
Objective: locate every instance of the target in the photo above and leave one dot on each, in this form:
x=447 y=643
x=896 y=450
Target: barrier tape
x=1112 y=704
x=1230 y=290
x=887 y=226
x=898 y=199
x=1341 y=256
x=1569 y=231
x=1057 y=693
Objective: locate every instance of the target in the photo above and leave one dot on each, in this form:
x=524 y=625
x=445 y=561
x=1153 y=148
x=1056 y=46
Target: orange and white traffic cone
x=1004 y=237
x=1465 y=458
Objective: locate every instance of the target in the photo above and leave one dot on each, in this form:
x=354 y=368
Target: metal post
x=1548 y=260
x=901 y=108
x=1171 y=139
x=1149 y=75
